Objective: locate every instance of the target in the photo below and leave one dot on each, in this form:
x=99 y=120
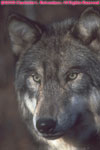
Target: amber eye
x=72 y=76
x=36 y=78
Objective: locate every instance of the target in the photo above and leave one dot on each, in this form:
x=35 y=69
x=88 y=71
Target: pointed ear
x=23 y=32
x=87 y=28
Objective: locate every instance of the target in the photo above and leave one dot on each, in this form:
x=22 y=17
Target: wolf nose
x=46 y=125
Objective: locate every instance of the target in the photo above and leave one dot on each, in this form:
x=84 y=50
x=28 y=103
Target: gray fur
x=57 y=51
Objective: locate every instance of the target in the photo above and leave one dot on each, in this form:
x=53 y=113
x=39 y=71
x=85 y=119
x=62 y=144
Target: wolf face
x=57 y=77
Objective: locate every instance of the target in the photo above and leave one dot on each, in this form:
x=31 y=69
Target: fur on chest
x=60 y=144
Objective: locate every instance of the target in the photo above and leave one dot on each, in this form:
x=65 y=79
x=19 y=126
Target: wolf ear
x=23 y=32
x=87 y=28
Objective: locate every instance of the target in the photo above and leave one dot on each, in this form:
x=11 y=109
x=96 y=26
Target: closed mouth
x=53 y=136
x=60 y=133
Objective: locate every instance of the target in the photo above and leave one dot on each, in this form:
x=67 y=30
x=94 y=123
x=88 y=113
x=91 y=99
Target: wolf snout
x=46 y=126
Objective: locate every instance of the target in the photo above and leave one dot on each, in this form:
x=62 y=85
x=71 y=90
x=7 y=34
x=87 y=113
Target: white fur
x=30 y=103
x=60 y=144
x=94 y=104
x=94 y=99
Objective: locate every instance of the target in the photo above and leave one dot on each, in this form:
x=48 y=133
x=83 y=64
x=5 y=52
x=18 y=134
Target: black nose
x=46 y=126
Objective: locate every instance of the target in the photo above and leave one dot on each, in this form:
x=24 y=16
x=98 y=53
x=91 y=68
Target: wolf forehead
x=53 y=40
x=57 y=47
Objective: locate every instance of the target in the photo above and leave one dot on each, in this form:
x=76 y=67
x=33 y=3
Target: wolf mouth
x=53 y=136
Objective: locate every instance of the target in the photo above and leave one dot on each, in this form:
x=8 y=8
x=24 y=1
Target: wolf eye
x=36 y=78
x=72 y=76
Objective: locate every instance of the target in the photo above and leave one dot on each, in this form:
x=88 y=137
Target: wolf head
x=58 y=76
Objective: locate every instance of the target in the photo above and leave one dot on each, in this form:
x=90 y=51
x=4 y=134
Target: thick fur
x=54 y=53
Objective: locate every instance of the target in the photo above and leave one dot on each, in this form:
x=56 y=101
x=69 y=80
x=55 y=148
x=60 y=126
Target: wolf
x=57 y=79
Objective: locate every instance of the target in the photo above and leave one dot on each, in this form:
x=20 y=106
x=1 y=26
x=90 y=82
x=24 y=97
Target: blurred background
x=13 y=132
